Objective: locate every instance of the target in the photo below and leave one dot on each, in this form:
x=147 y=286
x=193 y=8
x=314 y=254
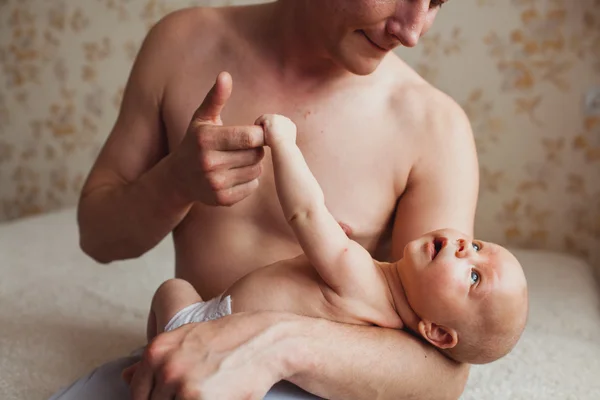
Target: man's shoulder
x=429 y=119
x=419 y=103
x=183 y=28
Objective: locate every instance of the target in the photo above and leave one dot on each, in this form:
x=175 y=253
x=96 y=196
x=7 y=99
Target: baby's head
x=470 y=296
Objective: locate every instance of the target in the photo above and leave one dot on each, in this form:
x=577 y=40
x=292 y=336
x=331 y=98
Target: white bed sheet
x=61 y=315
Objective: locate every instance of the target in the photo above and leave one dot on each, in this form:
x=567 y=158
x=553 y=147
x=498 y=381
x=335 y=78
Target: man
x=394 y=156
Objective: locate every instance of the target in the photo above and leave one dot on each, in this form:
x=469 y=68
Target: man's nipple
x=346 y=228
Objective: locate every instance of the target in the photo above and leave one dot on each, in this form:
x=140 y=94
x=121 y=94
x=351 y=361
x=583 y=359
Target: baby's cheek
x=446 y=273
x=450 y=280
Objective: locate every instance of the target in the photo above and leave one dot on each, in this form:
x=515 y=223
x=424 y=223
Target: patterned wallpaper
x=520 y=68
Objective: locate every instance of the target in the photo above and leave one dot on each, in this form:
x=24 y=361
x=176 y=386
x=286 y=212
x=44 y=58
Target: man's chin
x=365 y=68
x=361 y=65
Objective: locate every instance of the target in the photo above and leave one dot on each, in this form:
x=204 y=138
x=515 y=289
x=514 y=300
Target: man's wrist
x=293 y=351
x=171 y=184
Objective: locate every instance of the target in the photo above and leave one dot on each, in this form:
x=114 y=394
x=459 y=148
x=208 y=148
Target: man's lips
x=378 y=47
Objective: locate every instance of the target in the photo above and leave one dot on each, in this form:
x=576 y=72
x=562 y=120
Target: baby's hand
x=277 y=128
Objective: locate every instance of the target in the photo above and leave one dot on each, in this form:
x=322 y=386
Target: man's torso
x=350 y=133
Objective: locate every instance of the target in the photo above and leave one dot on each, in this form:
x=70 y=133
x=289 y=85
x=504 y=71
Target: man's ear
x=438 y=335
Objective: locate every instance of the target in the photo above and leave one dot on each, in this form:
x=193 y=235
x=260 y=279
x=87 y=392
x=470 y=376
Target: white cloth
x=199 y=312
x=62 y=315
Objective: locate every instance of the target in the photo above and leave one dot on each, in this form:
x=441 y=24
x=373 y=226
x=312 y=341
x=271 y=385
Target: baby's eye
x=476 y=246
x=436 y=3
x=474 y=277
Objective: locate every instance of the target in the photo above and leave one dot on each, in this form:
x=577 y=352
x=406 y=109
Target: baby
x=468 y=298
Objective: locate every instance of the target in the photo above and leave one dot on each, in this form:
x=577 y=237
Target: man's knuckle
x=190 y=391
x=169 y=374
x=254 y=172
x=208 y=163
x=224 y=198
x=154 y=351
x=217 y=182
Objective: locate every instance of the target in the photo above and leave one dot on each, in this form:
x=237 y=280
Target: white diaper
x=200 y=312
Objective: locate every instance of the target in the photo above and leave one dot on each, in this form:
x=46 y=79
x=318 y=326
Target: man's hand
x=216 y=164
x=240 y=356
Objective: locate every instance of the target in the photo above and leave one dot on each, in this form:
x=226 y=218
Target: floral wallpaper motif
x=520 y=69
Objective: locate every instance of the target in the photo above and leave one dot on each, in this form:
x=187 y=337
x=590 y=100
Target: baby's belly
x=276 y=287
x=287 y=286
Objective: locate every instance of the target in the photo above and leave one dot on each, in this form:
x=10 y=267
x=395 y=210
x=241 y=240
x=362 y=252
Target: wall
x=518 y=67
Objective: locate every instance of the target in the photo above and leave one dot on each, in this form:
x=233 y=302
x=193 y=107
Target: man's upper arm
x=443 y=185
x=136 y=141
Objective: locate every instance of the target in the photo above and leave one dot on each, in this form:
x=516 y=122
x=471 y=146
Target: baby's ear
x=438 y=335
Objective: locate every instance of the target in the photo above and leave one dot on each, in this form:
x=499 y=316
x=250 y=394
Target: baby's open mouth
x=438 y=245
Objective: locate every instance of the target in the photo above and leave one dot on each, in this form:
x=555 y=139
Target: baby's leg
x=172 y=296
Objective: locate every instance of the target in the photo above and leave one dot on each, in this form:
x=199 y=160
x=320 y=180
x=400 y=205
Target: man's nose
x=408 y=22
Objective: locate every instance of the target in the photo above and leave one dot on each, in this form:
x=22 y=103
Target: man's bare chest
x=350 y=148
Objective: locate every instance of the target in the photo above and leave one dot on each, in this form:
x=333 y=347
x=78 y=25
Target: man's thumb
x=210 y=109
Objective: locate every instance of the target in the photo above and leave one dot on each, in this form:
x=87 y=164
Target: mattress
x=61 y=314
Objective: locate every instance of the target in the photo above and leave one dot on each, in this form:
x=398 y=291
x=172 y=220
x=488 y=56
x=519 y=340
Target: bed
x=61 y=314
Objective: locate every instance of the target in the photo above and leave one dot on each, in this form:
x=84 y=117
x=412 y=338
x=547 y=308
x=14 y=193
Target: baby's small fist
x=277 y=129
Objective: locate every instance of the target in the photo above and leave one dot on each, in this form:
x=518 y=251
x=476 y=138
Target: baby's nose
x=462 y=248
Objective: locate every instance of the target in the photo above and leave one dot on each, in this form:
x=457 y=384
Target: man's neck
x=278 y=31
x=409 y=317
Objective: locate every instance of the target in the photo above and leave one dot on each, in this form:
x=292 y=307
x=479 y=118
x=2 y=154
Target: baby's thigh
x=172 y=296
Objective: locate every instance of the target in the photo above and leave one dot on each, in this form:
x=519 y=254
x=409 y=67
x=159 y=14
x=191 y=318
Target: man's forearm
x=342 y=361
x=121 y=220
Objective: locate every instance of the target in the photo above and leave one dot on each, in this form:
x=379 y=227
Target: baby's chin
x=409 y=250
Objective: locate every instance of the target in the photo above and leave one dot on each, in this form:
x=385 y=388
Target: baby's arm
x=342 y=263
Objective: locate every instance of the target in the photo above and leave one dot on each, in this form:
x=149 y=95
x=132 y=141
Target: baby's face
x=449 y=276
